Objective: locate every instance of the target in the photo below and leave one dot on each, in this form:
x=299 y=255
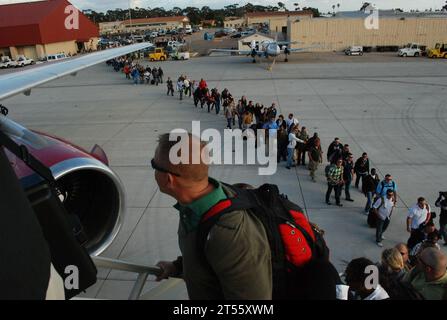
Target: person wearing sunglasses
x=237 y=264
x=429 y=277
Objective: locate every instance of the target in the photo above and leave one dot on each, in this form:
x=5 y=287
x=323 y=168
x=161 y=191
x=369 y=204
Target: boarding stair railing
x=143 y=273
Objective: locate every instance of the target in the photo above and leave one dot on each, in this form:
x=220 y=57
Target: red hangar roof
x=41 y=22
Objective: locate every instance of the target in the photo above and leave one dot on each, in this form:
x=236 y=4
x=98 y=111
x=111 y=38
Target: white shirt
x=418 y=215
x=386 y=209
x=186 y=83
x=293 y=140
x=378 y=294
x=289 y=122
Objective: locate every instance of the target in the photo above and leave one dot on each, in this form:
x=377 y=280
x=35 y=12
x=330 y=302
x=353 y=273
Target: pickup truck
x=410 y=50
x=176 y=55
x=175 y=44
x=6 y=62
x=23 y=61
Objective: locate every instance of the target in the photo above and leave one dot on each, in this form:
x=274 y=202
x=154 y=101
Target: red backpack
x=294 y=242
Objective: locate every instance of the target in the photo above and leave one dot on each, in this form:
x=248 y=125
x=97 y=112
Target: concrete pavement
x=395 y=111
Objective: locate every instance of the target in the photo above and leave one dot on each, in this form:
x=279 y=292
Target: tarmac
x=395 y=111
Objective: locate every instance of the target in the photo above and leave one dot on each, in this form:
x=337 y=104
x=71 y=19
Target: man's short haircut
x=188 y=171
x=364 y=154
x=435 y=258
x=420 y=199
x=390 y=191
x=387 y=175
x=355 y=271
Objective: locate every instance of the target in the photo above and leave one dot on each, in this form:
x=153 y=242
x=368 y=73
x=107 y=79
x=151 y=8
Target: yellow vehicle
x=440 y=51
x=158 y=55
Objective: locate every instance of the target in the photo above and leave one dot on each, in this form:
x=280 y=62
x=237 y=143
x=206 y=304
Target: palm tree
x=333 y=8
x=338 y=7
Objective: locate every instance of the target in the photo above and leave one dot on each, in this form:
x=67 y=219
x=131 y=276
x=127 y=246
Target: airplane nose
x=273 y=51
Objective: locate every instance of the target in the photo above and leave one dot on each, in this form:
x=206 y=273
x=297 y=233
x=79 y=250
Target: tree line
x=195 y=15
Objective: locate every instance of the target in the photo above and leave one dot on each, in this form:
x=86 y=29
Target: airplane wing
x=233 y=51
x=282 y=43
x=300 y=49
x=17 y=82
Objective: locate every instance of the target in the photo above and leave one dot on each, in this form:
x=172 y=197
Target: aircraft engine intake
x=94 y=198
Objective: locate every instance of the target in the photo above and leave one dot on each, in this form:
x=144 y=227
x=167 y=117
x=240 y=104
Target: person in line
x=315 y=158
x=361 y=168
x=226 y=270
x=334 y=151
x=160 y=74
x=387 y=184
x=170 y=86
x=404 y=252
x=369 y=186
x=417 y=218
x=292 y=145
x=356 y=277
x=441 y=203
x=335 y=182
x=348 y=175
x=429 y=277
x=384 y=207
x=180 y=88
x=301 y=147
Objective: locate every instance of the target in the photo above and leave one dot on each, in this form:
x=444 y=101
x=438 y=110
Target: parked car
x=354 y=51
x=188 y=29
x=154 y=34
x=220 y=33
x=236 y=35
x=23 y=61
x=6 y=62
x=161 y=32
x=410 y=50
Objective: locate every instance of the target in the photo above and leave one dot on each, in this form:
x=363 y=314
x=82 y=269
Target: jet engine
x=91 y=192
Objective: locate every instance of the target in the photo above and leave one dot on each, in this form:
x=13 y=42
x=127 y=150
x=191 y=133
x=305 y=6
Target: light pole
x=130 y=19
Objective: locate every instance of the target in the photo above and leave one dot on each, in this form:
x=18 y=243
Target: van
x=57 y=56
x=354 y=51
x=138 y=38
x=188 y=29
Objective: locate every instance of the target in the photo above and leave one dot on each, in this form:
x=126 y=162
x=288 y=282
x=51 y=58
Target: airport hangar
x=346 y=29
x=141 y=25
x=37 y=29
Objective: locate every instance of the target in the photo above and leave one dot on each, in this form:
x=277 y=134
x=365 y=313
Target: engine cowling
x=94 y=195
x=91 y=192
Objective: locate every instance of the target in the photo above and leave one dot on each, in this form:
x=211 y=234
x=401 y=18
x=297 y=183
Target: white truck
x=6 y=62
x=23 y=61
x=180 y=55
x=410 y=50
x=175 y=44
x=354 y=51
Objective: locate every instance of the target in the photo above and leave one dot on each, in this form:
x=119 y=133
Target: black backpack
x=285 y=225
x=372 y=215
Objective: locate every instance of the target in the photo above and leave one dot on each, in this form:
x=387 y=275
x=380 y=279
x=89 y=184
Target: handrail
x=143 y=272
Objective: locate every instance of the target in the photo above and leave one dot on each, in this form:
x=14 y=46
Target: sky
x=322 y=5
